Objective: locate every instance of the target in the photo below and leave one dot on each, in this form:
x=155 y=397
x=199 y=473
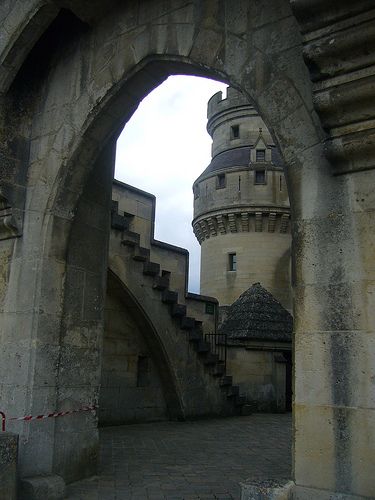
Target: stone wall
x=131 y=390
x=138 y=208
x=151 y=283
x=261 y=377
x=261 y=256
x=241 y=191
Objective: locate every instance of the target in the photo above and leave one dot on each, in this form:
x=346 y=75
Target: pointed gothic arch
x=64 y=126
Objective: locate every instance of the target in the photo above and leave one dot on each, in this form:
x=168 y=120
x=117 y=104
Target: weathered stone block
x=306 y=493
x=8 y=465
x=332 y=365
x=267 y=489
x=42 y=487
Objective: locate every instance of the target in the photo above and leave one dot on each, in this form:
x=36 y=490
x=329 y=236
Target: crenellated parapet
x=339 y=50
x=228 y=122
x=233 y=122
x=218 y=104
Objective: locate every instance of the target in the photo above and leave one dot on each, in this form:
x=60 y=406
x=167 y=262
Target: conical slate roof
x=257 y=315
x=240 y=157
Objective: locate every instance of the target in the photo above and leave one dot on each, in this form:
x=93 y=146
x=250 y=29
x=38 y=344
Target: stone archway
x=65 y=127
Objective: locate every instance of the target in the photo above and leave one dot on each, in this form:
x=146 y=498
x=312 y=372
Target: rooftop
x=240 y=157
x=257 y=315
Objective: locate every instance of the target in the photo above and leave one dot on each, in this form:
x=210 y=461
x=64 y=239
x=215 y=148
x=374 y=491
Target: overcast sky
x=163 y=149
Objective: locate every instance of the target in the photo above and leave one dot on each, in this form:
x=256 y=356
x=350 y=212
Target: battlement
x=218 y=103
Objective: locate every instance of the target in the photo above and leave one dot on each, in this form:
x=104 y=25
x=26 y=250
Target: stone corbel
x=258 y=222
x=284 y=223
x=352 y=152
x=8 y=227
x=339 y=50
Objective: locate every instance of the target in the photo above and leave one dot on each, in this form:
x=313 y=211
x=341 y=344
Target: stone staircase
x=170 y=311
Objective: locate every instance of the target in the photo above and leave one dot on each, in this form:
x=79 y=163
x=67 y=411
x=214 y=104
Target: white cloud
x=163 y=149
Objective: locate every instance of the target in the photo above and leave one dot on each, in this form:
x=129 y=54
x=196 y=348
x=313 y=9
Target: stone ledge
x=267 y=489
x=51 y=487
x=306 y=493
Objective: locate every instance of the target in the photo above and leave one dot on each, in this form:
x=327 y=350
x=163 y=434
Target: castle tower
x=241 y=206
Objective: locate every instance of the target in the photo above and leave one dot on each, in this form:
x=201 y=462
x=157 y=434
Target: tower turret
x=241 y=205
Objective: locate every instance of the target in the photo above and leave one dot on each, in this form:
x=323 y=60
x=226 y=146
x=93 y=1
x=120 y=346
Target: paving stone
x=200 y=460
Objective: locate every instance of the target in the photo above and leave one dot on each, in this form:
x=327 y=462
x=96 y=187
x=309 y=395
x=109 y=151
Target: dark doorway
x=288 y=380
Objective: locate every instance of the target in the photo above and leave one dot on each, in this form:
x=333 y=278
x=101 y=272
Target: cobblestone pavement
x=204 y=459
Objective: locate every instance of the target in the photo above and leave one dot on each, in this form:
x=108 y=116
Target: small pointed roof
x=260 y=142
x=257 y=315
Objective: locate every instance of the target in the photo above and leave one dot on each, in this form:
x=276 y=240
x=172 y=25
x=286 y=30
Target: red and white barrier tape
x=48 y=415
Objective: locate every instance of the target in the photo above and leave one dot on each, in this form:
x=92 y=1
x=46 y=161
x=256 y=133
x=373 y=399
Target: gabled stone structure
x=259 y=330
x=257 y=315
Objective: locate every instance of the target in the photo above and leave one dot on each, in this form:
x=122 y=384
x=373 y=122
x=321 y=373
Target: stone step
x=187 y=323
x=233 y=391
x=198 y=324
x=192 y=326
x=226 y=381
x=211 y=359
x=239 y=400
x=178 y=310
x=141 y=254
x=247 y=409
x=120 y=222
x=161 y=282
x=203 y=347
x=219 y=370
x=195 y=336
x=169 y=297
x=151 y=268
x=130 y=239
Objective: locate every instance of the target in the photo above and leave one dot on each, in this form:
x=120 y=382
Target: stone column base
x=304 y=493
x=51 y=487
x=267 y=489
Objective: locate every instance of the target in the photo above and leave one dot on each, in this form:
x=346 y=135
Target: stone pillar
x=82 y=330
x=334 y=263
x=334 y=343
x=52 y=332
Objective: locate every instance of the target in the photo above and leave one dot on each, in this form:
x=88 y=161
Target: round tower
x=241 y=206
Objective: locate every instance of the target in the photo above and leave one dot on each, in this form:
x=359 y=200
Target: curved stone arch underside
x=154 y=343
x=24 y=23
x=81 y=106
